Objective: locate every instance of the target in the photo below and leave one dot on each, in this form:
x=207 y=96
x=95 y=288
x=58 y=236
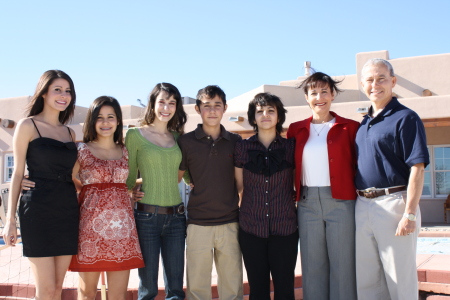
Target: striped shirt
x=267 y=207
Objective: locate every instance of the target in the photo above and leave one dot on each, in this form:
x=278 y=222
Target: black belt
x=373 y=192
x=161 y=210
x=52 y=176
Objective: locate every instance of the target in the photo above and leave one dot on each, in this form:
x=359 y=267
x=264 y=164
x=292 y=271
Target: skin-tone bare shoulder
x=27 y=130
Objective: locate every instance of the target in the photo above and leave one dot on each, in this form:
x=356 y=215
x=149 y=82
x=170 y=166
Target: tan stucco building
x=423 y=84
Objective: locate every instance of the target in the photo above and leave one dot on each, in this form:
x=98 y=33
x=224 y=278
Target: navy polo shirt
x=388 y=145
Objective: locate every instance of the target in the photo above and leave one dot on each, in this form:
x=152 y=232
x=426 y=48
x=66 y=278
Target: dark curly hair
x=265 y=99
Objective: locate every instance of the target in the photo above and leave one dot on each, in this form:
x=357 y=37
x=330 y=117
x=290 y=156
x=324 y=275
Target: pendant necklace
x=318 y=132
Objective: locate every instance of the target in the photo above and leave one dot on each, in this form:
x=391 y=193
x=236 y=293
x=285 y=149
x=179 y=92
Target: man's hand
x=405 y=227
x=136 y=194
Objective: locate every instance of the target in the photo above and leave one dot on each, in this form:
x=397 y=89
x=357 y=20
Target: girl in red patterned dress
x=108 y=238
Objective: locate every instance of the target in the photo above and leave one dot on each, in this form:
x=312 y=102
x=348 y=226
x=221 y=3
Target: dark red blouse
x=267 y=206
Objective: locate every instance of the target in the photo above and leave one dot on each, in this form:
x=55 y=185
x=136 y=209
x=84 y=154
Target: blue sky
x=123 y=48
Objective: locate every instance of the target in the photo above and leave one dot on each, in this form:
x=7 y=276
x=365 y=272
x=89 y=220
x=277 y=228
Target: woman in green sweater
x=160 y=217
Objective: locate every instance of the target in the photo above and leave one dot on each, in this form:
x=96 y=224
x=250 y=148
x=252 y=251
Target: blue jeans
x=163 y=234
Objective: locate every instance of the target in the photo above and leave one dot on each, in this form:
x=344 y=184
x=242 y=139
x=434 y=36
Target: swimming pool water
x=437 y=245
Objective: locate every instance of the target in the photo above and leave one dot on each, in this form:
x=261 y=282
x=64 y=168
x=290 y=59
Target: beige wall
x=438 y=135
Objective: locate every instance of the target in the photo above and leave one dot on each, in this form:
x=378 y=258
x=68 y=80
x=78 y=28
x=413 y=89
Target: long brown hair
x=36 y=105
x=178 y=120
x=89 y=132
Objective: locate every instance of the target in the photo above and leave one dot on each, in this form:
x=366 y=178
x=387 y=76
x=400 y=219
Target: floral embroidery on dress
x=108 y=238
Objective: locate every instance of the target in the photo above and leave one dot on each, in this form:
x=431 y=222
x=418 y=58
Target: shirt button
x=370 y=125
x=214 y=145
x=267 y=180
x=266 y=157
x=331 y=160
x=267 y=203
x=270 y=149
x=330 y=142
x=267 y=192
x=209 y=137
x=332 y=178
x=267 y=215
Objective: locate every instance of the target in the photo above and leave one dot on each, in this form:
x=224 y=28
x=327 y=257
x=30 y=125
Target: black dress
x=49 y=213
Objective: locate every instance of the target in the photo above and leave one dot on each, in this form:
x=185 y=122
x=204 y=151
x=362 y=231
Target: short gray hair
x=378 y=61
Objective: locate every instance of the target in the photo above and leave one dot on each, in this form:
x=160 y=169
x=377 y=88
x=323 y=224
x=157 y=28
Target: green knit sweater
x=158 y=168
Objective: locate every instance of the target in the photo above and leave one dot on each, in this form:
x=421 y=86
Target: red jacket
x=341 y=155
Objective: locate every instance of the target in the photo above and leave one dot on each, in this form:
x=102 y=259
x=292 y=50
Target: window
x=442 y=170
x=9 y=167
x=427 y=179
x=437 y=173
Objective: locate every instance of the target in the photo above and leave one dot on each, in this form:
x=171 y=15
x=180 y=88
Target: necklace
x=323 y=126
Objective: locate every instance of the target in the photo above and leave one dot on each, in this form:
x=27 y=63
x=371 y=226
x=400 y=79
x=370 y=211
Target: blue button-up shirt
x=388 y=145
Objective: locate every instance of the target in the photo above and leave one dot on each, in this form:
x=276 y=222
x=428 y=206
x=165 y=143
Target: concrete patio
x=16 y=280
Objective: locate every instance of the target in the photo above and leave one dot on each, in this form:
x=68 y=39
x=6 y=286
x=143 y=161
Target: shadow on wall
x=410 y=86
x=3 y=145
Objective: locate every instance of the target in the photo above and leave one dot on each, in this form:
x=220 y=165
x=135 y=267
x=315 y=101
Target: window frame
x=6 y=167
x=438 y=171
x=432 y=170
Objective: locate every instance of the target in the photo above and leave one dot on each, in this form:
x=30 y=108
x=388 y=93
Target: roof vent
x=307 y=66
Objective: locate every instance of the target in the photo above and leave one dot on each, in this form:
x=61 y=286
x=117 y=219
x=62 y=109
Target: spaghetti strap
x=36 y=127
x=71 y=137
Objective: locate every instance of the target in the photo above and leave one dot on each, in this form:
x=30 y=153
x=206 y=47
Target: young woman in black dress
x=48 y=212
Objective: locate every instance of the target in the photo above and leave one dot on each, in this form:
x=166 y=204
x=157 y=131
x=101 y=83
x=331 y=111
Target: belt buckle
x=181 y=209
x=368 y=192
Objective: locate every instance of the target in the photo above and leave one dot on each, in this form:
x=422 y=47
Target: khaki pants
x=205 y=243
x=385 y=263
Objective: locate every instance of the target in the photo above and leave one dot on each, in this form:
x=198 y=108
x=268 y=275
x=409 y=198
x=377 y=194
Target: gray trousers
x=386 y=264
x=327 y=245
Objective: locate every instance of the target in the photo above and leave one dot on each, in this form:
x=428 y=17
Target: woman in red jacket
x=325 y=167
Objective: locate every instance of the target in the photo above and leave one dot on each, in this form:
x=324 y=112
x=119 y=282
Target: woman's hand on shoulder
x=72 y=133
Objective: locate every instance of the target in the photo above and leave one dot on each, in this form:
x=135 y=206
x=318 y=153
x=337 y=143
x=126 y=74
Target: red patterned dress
x=108 y=238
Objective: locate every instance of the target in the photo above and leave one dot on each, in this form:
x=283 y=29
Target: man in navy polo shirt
x=392 y=154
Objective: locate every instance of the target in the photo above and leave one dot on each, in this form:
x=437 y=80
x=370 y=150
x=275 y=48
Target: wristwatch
x=411 y=217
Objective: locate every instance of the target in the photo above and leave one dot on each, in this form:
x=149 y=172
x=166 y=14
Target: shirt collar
x=200 y=133
x=387 y=110
x=254 y=138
